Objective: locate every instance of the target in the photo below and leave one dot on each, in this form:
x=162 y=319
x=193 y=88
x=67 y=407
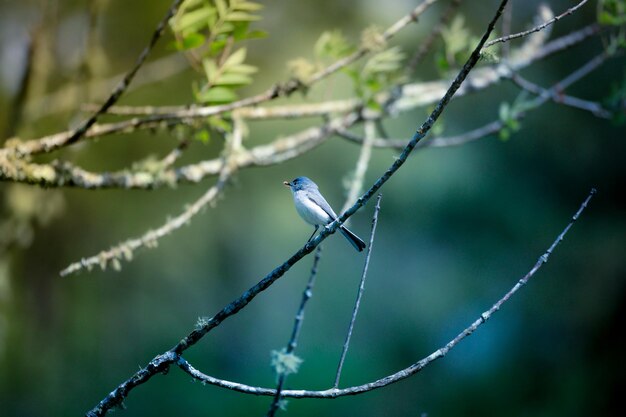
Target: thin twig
x=125 y=250
x=144 y=374
x=357 y=303
x=123 y=85
x=58 y=140
x=297 y=326
x=536 y=28
x=64 y=174
x=591 y=106
x=406 y=372
x=361 y=166
x=412 y=95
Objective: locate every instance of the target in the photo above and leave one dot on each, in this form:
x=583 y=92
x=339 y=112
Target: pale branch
x=497 y=125
x=65 y=174
x=366 y=49
x=121 y=251
x=406 y=372
x=289 y=111
x=118 y=395
x=357 y=303
x=556 y=96
x=58 y=173
x=356 y=183
x=61 y=173
x=125 y=250
x=123 y=85
x=427 y=93
x=537 y=28
x=53 y=142
x=434 y=142
x=411 y=96
x=231 y=164
x=297 y=327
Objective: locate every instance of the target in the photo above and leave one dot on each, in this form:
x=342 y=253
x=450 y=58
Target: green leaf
x=248 y=6
x=210 y=70
x=193 y=40
x=332 y=44
x=256 y=34
x=222 y=8
x=504 y=112
x=241 y=17
x=233 y=79
x=216 y=95
x=505 y=134
x=220 y=124
x=456 y=37
x=225 y=27
x=202 y=136
x=235 y=58
x=243 y=69
x=193 y=21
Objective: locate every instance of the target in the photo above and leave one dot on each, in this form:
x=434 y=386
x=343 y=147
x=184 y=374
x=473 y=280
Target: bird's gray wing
x=318 y=199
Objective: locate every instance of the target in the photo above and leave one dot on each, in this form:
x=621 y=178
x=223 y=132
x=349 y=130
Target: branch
x=235 y=306
x=356 y=184
x=556 y=96
x=295 y=333
x=411 y=96
x=53 y=142
x=406 y=372
x=58 y=174
x=357 y=303
x=123 y=85
x=536 y=28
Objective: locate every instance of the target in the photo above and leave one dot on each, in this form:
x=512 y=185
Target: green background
x=458 y=227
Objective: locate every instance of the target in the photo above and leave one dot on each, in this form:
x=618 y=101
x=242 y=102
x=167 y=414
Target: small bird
x=315 y=210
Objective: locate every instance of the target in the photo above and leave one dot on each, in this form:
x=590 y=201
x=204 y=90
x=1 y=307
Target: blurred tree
x=445 y=211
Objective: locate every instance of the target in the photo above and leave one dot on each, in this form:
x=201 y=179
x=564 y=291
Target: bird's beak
x=287 y=183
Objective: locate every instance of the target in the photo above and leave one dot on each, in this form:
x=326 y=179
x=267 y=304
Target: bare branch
x=406 y=372
x=125 y=250
x=235 y=306
x=537 y=28
x=123 y=85
x=591 y=106
x=357 y=303
x=356 y=184
x=297 y=326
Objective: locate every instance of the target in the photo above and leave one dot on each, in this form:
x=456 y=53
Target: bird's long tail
x=354 y=240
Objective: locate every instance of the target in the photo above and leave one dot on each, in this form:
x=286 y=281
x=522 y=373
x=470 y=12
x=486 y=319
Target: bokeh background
x=458 y=227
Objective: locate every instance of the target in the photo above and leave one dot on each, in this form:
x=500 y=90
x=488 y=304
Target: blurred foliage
x=210 y=32
x=458 y=227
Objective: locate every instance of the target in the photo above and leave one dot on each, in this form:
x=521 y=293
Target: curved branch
x=537 y=28
x=123 y=85
x=236 y=305
x=403 y=373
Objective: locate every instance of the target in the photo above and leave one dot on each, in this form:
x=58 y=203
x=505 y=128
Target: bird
x=315 y=210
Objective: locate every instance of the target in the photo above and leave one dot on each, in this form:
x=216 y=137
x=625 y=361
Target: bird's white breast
x=309 y=211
